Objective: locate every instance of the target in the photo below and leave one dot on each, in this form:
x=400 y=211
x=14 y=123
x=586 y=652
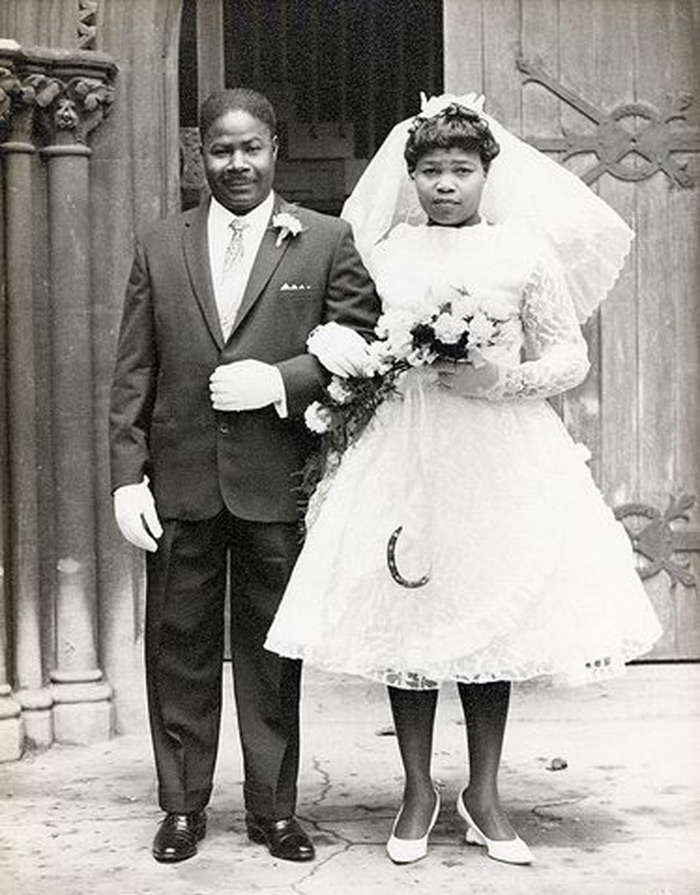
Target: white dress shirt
x=229 y=286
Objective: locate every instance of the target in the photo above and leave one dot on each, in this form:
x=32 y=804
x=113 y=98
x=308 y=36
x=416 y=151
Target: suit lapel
x=196 y=251
x=269 y=256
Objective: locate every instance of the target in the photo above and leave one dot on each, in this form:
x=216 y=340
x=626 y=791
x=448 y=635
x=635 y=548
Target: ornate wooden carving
x=649 y=134
x=656 y=540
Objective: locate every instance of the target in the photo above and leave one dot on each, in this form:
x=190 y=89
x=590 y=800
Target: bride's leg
x=414 y=719
x=486 y=713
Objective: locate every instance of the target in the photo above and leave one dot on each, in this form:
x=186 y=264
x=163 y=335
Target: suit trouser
x=186 y=591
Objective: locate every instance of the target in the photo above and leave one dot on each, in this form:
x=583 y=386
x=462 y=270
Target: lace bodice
x=541 y=351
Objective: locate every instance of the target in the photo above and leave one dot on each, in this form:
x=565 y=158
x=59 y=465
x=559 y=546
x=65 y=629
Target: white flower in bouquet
x=317 y=418
x=338 y=390
x=449 y=328
x=482 y=330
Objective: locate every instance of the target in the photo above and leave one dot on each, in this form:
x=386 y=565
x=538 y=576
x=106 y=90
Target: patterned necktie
x=234 y=250
x=231 y=288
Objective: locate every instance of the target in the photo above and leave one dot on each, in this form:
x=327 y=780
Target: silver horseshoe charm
x=393 y=567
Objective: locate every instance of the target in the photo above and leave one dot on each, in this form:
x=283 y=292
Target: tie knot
x=234 y=250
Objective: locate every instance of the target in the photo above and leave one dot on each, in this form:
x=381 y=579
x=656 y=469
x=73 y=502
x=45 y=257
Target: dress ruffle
x=531 y=576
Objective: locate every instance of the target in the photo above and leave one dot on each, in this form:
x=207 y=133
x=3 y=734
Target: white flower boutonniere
x=288 y=224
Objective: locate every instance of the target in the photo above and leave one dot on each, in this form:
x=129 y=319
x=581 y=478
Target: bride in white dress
x=505 y=564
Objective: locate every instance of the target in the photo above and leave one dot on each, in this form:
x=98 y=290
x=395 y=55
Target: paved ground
x=623 y=818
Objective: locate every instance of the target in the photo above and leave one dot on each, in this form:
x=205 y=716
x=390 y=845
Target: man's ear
x=275 y=146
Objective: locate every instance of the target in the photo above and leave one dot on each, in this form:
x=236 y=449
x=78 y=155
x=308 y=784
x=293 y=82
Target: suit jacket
x=162 y=423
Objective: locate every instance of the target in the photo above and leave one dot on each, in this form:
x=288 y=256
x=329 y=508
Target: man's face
x=449 y=183
x=239 y=154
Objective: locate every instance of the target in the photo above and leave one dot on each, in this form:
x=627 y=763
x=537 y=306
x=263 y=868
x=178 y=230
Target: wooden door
x=610 y=88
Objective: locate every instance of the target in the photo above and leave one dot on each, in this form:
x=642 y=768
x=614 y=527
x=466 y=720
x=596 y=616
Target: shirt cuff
x=280 y=403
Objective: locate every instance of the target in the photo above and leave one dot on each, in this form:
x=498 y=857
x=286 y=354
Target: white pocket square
x=295 y=287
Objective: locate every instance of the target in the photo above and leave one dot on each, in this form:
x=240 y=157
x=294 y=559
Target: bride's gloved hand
x=341 y=350
x=480 y=378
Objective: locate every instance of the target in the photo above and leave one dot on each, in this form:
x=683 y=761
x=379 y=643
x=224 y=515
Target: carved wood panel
x=630 y=131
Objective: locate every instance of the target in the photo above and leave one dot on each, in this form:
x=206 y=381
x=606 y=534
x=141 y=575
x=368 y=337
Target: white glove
x=245 y=385
x=135 y=512
x=341 y=350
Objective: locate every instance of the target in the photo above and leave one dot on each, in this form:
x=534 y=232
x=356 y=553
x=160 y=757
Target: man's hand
x=245 y=385
x=135 y=512
x=341 y=350
x=480 y=379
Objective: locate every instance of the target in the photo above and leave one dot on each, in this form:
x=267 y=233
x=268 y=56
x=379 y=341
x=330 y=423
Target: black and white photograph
x=349 y=447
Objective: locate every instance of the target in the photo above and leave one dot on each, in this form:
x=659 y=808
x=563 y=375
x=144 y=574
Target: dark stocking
x=414 y=719
x=485 y=713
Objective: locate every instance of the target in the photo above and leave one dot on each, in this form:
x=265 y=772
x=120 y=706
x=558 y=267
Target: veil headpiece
x=588 y=238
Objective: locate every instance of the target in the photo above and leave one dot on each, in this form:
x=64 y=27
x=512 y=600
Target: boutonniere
x=288 y=224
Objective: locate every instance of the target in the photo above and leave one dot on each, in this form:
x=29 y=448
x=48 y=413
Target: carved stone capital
x=60 y=96
x=17 y=104
x=79 y=108
x=9 y=88
x=33 y=93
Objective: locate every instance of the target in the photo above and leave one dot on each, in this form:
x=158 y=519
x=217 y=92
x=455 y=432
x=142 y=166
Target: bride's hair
x=456 y=126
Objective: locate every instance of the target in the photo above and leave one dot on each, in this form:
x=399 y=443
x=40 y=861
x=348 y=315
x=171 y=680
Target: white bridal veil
x=590 y=240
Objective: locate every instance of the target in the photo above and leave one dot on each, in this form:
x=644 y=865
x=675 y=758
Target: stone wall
x=89 y=156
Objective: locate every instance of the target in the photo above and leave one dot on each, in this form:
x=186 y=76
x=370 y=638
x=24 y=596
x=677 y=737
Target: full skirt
x=529 y=575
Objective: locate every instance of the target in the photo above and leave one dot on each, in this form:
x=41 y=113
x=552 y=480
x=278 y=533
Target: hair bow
x=436 y=104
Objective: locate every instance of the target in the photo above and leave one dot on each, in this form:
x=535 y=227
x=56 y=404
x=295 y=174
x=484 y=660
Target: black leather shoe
x=178 y=835
x=284 y=838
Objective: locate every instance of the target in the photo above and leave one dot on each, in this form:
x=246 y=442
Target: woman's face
x=449 y=183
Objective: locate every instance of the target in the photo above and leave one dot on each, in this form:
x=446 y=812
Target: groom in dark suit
x=206 y=431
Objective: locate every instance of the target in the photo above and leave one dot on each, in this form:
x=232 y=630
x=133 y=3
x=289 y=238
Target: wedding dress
x=529 y=575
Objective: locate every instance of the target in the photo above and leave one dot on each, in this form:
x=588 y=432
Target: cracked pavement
x=601 y=781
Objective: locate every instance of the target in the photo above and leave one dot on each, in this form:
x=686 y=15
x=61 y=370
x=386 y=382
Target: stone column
x=82 y=710
x=11 y=730
x=10 y=710
x=22 y=520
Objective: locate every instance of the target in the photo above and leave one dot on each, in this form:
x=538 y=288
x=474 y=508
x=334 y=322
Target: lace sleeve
x=555 y=350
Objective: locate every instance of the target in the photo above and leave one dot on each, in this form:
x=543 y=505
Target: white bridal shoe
x=510 y=851
x=406 y=851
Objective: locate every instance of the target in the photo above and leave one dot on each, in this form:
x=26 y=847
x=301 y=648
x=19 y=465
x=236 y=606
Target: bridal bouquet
x=453 y=328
